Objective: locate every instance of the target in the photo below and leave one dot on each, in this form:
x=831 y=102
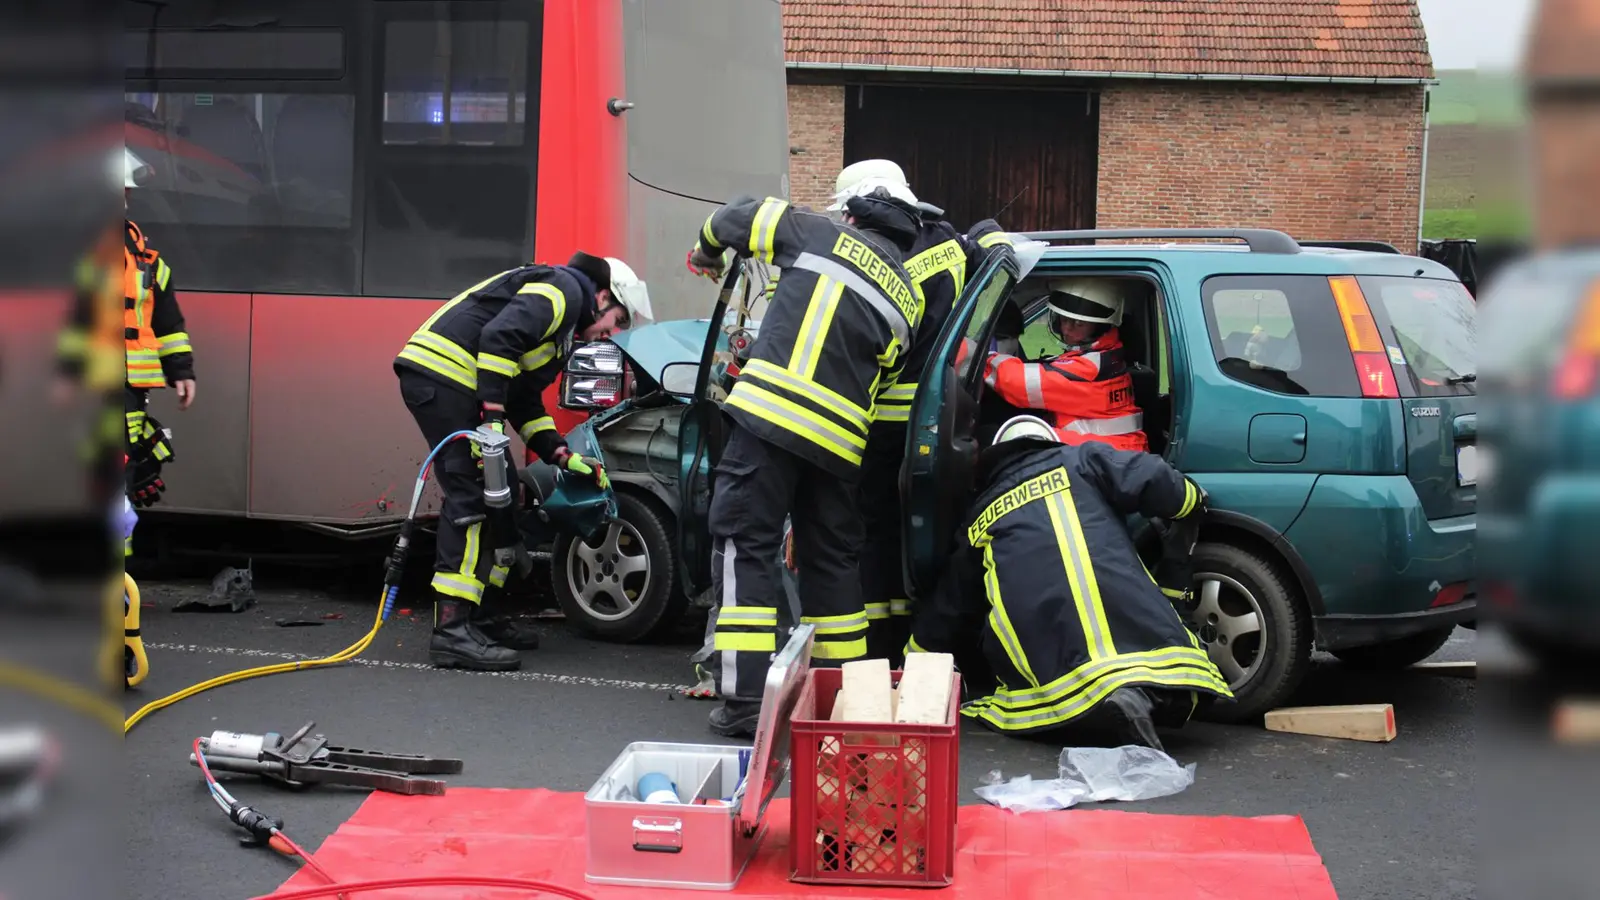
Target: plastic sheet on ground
x=1091 y=775
x=1083 y=855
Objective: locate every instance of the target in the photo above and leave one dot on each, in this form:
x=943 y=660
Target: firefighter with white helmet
x=487 y=357
x=1096 y=655
x=939 y=262
x=1085 y=389
x=159 y=353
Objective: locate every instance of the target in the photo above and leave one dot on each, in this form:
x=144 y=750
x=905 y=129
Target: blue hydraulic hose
x=391 y=590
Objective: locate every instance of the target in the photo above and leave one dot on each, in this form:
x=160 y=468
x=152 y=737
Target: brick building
x=1307 y=116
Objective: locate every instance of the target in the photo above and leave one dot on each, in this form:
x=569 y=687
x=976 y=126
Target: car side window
x=1280 y=333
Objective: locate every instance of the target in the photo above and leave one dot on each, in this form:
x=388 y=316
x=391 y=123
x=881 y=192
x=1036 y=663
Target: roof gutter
x=1076 y=73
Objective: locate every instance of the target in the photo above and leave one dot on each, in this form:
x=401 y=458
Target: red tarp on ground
x=1074 y=855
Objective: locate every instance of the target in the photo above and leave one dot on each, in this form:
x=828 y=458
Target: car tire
x=1263 y=676
x=1394 y=655
x=622 y=585
x=1554 y=657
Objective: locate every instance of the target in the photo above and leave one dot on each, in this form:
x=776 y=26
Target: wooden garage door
x=973 y=150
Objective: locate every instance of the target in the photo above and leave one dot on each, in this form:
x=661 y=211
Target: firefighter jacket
x=158 y=350
x=838 y=328
x=504 y=340
x=1047 y=577
x=939 y=264
x=1086 y=394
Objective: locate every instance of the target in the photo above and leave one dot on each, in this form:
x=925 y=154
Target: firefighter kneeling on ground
x=485 y=357
x=1075 y=639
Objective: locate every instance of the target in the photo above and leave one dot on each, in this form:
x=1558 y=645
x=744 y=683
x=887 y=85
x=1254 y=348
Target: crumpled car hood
x=651 y=347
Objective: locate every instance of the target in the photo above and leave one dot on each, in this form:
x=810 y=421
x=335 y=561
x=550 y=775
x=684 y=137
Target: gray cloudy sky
x=1463 y=34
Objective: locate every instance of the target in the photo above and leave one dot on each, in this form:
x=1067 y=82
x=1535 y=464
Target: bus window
x=248 y=191
x=451 y=181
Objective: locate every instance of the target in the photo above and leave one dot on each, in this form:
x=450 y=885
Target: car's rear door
x=1430 y=334
x=941 y=443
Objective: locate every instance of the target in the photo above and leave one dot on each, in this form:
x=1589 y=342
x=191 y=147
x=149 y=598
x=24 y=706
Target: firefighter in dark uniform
x=486 y=356
x=158 y=354
x=838 y=328
x=939 y=263
x=1072 y=632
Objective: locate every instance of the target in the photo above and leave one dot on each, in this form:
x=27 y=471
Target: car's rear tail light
x=1578 y=374
x=1366 y=345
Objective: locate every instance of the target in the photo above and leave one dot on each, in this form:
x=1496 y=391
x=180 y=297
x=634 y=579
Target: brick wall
x=816 y=142
x=1332 y=162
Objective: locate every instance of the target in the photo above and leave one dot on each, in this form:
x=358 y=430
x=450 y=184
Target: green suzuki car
x=1323 y=396
x=1541 y=455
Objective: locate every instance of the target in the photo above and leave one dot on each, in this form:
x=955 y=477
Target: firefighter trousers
x=755 y=486
x=463 y=563
x=883 y=587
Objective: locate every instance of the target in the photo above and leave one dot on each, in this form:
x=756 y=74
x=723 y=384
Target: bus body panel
x=298 y=415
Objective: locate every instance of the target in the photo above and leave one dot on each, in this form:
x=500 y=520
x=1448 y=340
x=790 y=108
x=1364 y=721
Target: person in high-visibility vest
x=158 y=351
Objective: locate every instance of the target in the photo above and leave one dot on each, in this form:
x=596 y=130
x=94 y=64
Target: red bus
x=323 y=175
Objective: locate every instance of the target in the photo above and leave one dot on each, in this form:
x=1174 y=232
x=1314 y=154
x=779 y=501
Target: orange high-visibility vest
x=143 y=271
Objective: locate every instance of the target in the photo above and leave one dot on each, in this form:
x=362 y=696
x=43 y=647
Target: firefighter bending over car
x=158 y=354
x=837 y=329
x=486 y=356
x=939 y=264
x=1085 y=391
x=1051 y=615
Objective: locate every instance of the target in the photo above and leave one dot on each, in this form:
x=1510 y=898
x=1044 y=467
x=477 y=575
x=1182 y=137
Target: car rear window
x=1429 y=326
x=1280 y=333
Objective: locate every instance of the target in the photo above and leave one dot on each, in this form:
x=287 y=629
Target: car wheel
x=1553 y=656
x=1396 y=654
x=1253 y=625
x=620 y=585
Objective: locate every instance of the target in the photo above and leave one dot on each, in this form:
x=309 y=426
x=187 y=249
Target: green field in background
x=1468 y=96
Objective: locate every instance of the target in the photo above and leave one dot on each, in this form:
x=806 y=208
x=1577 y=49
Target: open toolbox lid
x=769 y=762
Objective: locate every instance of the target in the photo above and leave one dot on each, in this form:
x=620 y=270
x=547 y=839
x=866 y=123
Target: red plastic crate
x=871 y=804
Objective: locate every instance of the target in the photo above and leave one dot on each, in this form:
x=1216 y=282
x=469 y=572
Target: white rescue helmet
x=1086 y=300
x=630 y=291
x=132 y=168
x=862 y=178
x=1031 y=427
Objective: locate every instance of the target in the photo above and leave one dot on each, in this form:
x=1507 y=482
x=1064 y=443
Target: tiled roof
x=1318 y=38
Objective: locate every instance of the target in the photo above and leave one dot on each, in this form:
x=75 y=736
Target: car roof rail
x=1372 y=246
x=1259 y=240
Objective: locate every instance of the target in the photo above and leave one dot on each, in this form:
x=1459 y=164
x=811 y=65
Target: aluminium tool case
x=706 y=840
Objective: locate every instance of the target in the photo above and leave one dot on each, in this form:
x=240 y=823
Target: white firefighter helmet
x=630 y=292
x=862 y=178
x=132 y=168
x=1086 y=300
x=1031 y=427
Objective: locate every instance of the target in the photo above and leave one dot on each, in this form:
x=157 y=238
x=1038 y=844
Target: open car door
x=941 y=442
x=701 y=433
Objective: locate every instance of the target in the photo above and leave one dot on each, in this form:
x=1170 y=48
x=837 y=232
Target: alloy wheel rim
x=1228 y=620
x=609 y=578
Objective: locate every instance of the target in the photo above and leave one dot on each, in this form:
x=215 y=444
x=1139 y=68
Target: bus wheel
x=620 y=585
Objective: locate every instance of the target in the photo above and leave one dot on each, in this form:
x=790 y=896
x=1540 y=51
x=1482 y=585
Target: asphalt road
x=1390 y=820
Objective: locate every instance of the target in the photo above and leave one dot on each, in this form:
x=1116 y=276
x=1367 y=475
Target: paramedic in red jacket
x=1086 y=390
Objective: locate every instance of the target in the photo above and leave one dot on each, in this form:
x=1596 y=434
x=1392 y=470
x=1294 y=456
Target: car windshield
x=1431 y=332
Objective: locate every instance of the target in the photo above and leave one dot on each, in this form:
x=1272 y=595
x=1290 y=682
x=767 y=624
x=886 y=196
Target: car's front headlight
x=594 y=378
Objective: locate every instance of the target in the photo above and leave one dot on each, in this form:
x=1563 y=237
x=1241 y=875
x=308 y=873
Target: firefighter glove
x=704 y=264
x=572 y=462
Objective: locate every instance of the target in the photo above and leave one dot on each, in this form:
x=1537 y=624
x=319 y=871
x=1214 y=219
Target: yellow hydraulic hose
x=345 y=655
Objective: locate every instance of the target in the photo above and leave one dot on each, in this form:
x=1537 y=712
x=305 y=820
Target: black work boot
x=458 y=644
x=504 y=630
x=1127 y=714
x=736 y=718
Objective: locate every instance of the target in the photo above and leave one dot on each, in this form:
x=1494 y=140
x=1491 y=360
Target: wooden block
x=1364 y=722
x=1467 y=669
x=925 y=688
x=1576 y=721
x=838 y=707
x=868 y=691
